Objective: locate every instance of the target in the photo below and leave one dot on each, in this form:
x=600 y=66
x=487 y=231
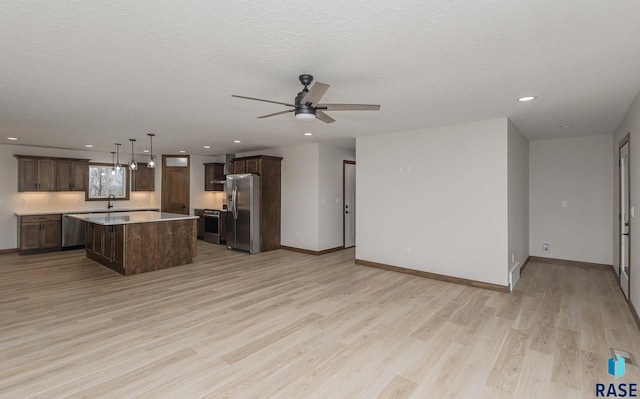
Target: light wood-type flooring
x=287 y=325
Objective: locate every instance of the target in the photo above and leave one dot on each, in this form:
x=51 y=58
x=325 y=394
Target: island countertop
x=113 y=218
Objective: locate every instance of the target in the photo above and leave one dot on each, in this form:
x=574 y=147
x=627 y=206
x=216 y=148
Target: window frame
x=127 y=183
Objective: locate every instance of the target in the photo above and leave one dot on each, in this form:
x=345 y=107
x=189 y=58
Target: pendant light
x=117 y=164
x=152 y=162
x=132 y=165
x=113 y=163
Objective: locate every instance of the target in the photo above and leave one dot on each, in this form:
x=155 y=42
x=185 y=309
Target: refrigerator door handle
x=235 y=203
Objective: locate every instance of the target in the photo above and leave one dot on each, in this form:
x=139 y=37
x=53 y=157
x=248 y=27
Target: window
x=104 y=180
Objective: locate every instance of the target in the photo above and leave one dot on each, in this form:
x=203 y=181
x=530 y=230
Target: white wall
x=577 y=170
x=331 y=206
x=440 y=194
x=518 y=196
x=629 y=124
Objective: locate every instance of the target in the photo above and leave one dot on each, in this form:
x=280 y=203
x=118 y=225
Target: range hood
x=228 y=168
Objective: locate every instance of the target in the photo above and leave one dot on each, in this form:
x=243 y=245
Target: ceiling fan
x=307 y=105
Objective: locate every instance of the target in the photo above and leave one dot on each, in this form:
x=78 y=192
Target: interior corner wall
x=577 y=170
x=300 y=188
x=630 y=124
x=330 y=221
x=435 y=200
x=518 y=196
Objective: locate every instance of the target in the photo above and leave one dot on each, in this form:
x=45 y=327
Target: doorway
x=175 y=183
x=349 y=200
x=625 y=228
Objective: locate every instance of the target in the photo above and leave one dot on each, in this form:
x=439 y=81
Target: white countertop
x=110 y=218
x=99 y=210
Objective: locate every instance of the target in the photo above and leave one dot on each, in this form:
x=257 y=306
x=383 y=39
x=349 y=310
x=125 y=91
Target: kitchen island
x=138 y=242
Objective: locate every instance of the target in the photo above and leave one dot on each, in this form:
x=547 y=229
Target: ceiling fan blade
x=277 y=113
x=315 y=93
x=349 y=107
x=266 y=101
x=324 y=117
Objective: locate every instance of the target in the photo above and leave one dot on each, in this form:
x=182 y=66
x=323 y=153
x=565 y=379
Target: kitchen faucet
x=109 y=203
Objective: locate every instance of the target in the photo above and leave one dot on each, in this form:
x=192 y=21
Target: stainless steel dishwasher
x=72 y=232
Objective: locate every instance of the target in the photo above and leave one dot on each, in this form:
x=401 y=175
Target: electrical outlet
x=407 y=250
x=323 y=201
x=565 y=204
x=513 y=257
x=24 y=201
x=546 y=247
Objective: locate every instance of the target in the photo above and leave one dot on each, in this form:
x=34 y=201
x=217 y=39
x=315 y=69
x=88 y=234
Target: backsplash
x=72 y=201
x=208 y=200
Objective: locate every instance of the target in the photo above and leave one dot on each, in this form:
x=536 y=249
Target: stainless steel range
x=212 y=226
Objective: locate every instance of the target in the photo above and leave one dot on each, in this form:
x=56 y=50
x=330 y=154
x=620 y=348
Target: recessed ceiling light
x=527 y=98
x=182 y=151
x=207 y=146
x=88 y=145
x=564 y=126
x=308 y=134
x=12 y=138
x=145 y=150
x=237 y=141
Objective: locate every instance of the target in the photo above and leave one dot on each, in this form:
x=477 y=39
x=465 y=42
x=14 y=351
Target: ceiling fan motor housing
x=305 y=109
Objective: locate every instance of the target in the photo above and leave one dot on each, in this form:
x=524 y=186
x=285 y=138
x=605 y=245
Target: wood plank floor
x=288 y=325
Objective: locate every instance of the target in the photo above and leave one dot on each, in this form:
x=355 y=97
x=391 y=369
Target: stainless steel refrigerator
x=243 y=217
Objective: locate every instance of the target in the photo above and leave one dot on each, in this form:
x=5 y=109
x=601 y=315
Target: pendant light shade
x=113 y=162
x=117 y=164
x=152 y=161
x=132 y=165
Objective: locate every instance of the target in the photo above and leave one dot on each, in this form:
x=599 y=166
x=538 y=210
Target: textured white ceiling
x=103 y=71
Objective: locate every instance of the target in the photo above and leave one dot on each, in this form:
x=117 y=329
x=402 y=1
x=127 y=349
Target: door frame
x=625 y=140
x=345 y=162
x=164 y=166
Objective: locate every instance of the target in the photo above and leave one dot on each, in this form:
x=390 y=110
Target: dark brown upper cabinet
x=71 y=175
x=51 y=174
x=36 y=174
x=143 y=178
x=213 y=173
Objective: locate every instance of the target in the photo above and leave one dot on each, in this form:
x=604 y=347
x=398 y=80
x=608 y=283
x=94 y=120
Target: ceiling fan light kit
x=307 y=105
x=305 y=113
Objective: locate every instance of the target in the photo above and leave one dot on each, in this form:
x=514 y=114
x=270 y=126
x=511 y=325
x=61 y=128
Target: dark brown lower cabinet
x=200 y=214
x=105 y=244
x=39 y=233
x=133 y=248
